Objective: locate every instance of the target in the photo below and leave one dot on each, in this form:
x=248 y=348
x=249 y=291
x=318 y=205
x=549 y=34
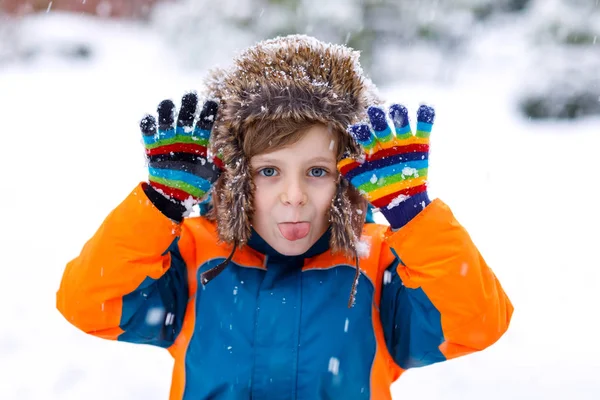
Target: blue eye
x=317 y=172
x=267 y=172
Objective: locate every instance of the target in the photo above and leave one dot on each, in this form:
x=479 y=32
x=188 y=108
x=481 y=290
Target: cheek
x=263 y=199
x=258 y=217
x=323 y=197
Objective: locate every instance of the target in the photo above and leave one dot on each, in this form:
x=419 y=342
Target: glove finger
x=166 y=119
x=381 y=128
x=399 y=116
x=206 y=119
x=148 y=125
x=185 y=120
x=425 y=118
x=203 y=129
x=363 y=136
x=166 y=115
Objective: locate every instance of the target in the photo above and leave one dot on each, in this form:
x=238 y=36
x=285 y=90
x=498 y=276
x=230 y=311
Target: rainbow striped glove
x=393 y=174
x=181 y=171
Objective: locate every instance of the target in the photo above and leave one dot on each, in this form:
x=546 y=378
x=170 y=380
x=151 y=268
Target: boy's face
x=294 y=189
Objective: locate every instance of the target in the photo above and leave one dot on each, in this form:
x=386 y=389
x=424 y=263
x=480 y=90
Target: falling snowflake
x=169 y=319
x=363 y=246
x=334 y=365
x=387 y=277
x=464 y=268
x=155 y=316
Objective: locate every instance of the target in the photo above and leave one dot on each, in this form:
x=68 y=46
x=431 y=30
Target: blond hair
x=264 y=136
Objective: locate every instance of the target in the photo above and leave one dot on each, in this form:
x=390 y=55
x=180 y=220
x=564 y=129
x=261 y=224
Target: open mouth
x=294 y=230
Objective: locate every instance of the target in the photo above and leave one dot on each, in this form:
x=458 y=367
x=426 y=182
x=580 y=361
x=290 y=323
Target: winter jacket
x=279 y=327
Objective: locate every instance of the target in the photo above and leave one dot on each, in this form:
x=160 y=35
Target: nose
x=294 y=193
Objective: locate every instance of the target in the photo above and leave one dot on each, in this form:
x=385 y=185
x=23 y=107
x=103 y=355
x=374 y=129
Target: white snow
x=334 y=365
x=72 y=131
x=408 y=171
x=464 y=269
x=155 y=315
x=397 y=200
x=387 y=277
x=170 y=319
x=363 y=246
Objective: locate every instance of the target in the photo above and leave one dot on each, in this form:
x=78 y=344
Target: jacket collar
x=257 y=243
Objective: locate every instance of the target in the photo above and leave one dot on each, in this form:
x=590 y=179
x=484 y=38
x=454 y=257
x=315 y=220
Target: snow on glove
x=393 y=174
x=180 y=169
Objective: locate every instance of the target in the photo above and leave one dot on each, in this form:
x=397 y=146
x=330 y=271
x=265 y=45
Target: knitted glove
x=393 y=173
x=180 y=168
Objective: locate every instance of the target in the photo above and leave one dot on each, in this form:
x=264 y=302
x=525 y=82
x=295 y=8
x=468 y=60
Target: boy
x=283 y=291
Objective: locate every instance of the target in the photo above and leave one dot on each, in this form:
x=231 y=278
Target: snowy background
x=72 y=91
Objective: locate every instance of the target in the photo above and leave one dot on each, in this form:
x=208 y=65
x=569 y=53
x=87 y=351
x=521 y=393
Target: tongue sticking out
x=294 y=231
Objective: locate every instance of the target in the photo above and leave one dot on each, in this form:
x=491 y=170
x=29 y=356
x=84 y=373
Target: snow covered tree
x=394 y=35
x=206 y=32
x=565 y=50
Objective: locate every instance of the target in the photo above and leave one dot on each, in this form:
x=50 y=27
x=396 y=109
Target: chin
x=287 y=248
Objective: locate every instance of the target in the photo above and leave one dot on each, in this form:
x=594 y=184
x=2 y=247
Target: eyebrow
x=312 y=160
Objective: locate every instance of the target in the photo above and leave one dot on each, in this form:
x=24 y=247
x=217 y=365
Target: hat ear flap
x=235 y=191
x=347 y=217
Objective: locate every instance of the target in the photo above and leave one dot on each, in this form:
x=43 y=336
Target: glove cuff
x=400 y=214
x=171 y=208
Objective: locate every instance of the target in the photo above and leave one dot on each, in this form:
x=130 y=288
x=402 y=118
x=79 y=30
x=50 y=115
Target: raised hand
x=179 y=164
x=393 y=174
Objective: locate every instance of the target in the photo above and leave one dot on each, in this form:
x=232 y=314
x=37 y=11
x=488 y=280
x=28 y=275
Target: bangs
x=265 y=136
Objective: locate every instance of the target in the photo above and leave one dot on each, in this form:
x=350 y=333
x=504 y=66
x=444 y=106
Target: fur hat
x=295 y=77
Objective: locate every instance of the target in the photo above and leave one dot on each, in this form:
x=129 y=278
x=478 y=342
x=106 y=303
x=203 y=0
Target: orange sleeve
x=439 y=264
x=130 y=281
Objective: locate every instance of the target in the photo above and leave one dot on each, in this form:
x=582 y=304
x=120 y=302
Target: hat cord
x=212 y=273
x=354 y=282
